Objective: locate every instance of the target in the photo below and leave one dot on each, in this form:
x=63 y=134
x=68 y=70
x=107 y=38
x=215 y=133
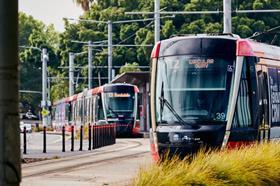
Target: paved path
x=112 y=165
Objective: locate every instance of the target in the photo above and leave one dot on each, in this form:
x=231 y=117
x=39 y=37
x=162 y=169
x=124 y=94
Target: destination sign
x=201 y=63
x=119 y=95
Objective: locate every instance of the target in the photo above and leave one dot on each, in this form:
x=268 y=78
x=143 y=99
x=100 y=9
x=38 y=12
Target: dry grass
x=254 y=165
x=85 y=132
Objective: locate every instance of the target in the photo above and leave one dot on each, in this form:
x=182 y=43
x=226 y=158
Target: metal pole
x=45 y=140
x=49 y=89
x=71 y=73
x=10 y=171
x=24 y=140
x=157 y=20
x=81 y=138
x=90 y=65
x=89 y=136
x=63 y=138
x=44 y=83
x=110 y=51
x=72 y=138
x=99 y=79
x=227 y=16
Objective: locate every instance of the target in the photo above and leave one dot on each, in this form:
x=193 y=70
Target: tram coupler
x=24 y=140
x=63 y=138
x=81 y=138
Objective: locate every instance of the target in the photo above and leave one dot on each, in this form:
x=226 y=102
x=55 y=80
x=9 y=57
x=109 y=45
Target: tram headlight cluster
x=181 y=137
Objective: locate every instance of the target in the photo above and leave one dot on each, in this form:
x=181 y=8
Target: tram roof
x=245 y=47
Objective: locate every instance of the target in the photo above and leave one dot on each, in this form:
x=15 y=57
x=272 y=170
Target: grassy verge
x=254 y=165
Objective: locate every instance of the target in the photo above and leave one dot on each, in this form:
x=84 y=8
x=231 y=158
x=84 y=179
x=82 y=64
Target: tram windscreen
x=196 y=87
x=119 y=104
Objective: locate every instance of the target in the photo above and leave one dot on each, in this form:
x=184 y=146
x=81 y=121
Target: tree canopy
x=35 y=33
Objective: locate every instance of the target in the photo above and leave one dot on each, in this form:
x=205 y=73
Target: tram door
x=244 y=126
x=263 y=111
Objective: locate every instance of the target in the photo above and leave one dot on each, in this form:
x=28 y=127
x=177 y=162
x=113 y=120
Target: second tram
x=108 y=104
x=213 y=91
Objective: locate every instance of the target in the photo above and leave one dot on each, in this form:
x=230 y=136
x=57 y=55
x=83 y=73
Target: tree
x=84 y=4
x=142 y=33
x=130 y=67
x=34 y=33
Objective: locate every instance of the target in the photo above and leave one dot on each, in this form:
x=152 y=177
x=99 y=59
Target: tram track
x=81 y=156
x=77 y=161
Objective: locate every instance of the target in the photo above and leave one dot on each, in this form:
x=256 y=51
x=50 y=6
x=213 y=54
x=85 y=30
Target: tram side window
x=74 y=115
x=53 y=113
x=67 y=111
x=92 y=105
x=80 y=111
x=242 y=116
x=99 y=108
x=88 y=109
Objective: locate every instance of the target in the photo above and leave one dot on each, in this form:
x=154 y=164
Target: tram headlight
x=174 y=137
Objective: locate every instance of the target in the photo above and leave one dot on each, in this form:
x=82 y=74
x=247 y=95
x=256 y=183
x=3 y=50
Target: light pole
x=45 y=103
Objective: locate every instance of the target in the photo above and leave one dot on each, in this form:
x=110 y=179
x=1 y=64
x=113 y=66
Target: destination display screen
x=201 y=63
x=119 y=95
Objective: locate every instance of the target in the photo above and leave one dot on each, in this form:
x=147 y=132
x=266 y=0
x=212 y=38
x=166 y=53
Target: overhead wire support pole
x=227 y=16
x=71 y=73
x=110 y=50
x=89 y=64
x=157 y=20
x=44 y=83
x=110 y=33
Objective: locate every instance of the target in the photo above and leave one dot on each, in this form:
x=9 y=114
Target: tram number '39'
x=220 y=116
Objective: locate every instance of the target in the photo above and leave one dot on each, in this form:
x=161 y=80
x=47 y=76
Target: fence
x=98 y=136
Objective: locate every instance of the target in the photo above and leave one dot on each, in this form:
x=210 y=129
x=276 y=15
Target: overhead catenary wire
x=264 y=32
x=124 y=40
x=79 y=67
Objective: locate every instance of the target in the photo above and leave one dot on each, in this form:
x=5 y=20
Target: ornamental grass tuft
x=258 y=164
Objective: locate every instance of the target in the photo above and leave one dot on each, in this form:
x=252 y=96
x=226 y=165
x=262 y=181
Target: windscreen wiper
x=168 y=105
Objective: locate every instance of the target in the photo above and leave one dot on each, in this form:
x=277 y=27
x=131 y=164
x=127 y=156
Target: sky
x=50 y=11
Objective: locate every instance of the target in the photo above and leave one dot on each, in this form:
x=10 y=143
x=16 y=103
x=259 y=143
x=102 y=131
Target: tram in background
x=108 y=104
x=213 y=91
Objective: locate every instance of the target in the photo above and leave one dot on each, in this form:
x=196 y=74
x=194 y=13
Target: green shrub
x=254 y=165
